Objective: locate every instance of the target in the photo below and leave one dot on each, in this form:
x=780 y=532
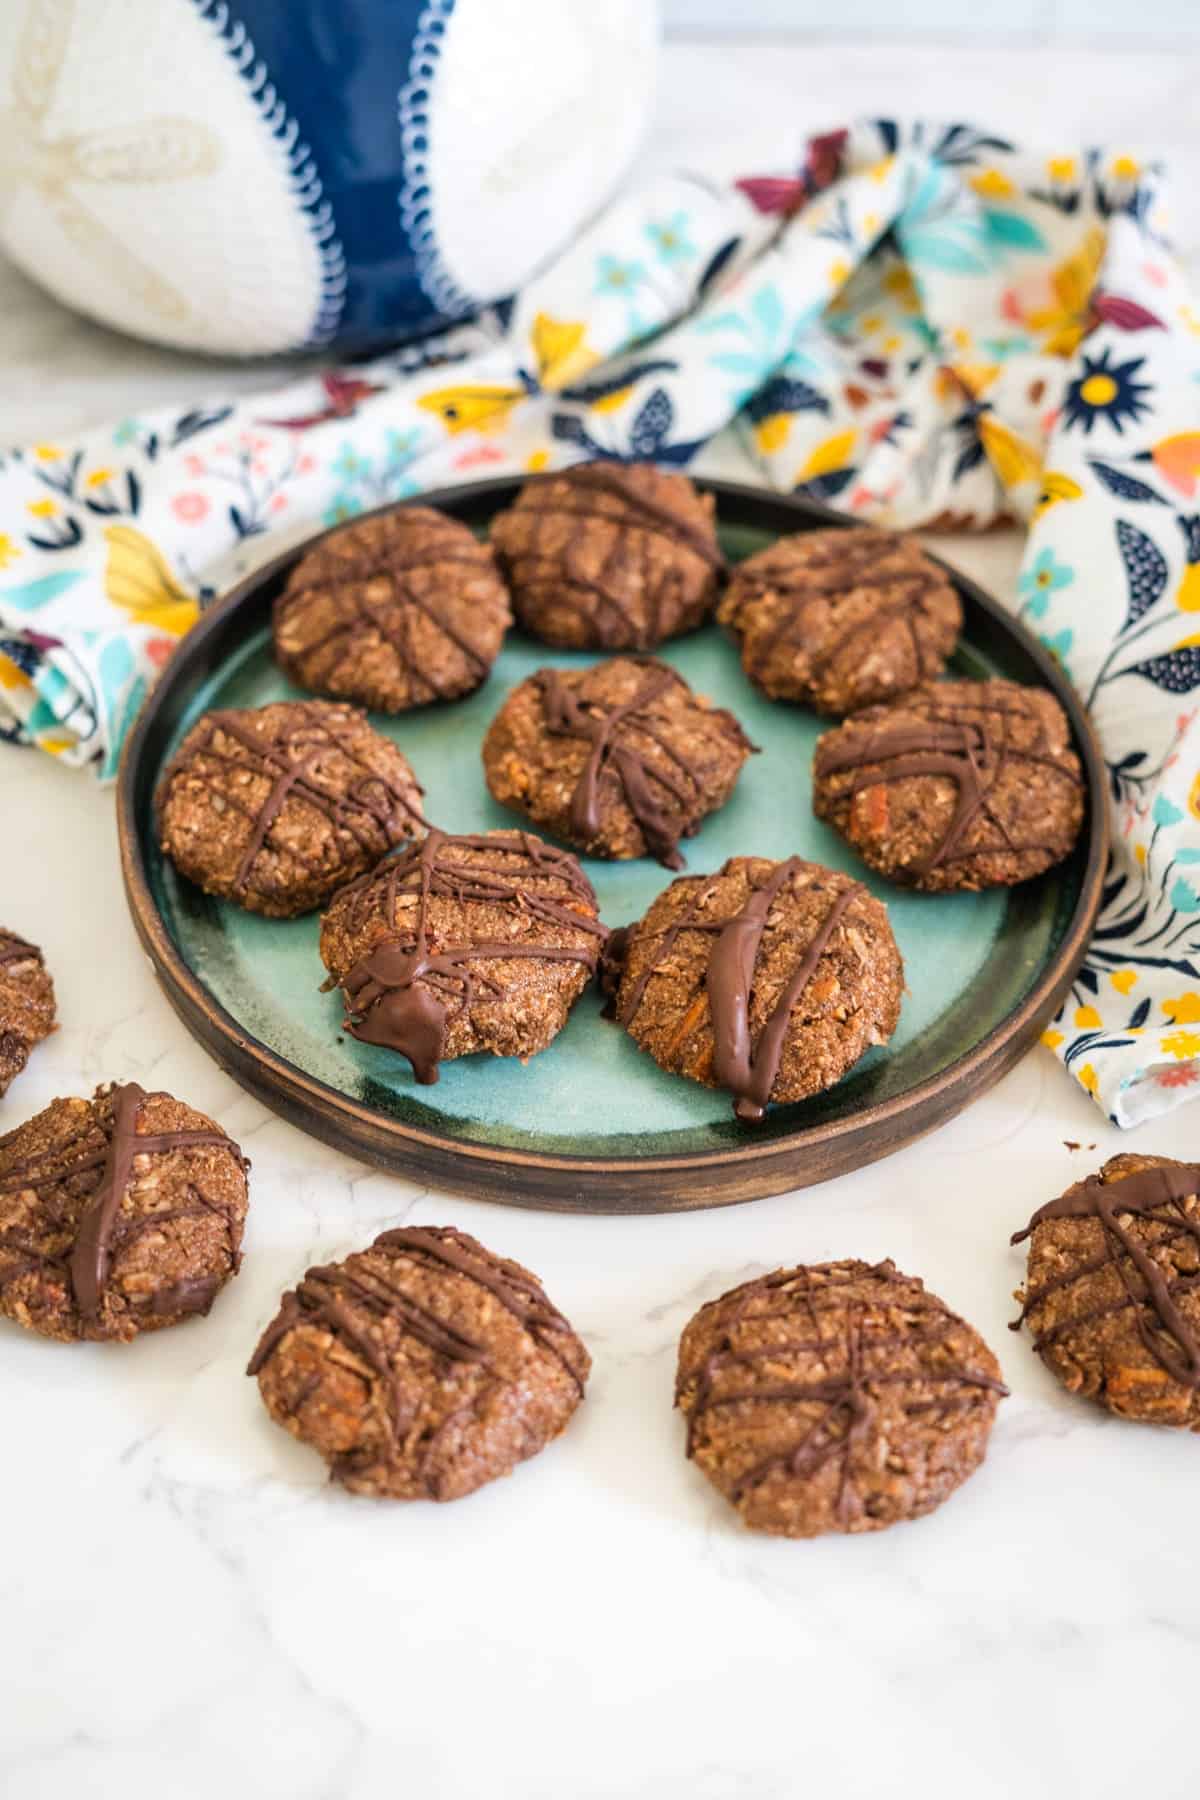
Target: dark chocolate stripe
x=1153 y=1194
x=846 y=1401
x=402 y=994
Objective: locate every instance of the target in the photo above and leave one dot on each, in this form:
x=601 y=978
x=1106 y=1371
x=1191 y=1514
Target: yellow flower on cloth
x=12 y=677
x=1066 y=320
x=1016 y=462
x=560 y=350
x=993 y=184
x=137 y=579
x=832 y=453
x=771 y=433
x=1055 y=487
x=482 y=406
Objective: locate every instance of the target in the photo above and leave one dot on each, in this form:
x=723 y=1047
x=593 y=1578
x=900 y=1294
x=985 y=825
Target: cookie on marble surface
x=276 y=806
x=1112 y=1290
x=118 y=1214
x=27 y=1012
x=958 y=785
x=393 y=611
x=610 y=556
x=621 y=760
x=422 y=1367
x=769 y=979
x=841 y=619
x=840 y=1397
x=462 y=944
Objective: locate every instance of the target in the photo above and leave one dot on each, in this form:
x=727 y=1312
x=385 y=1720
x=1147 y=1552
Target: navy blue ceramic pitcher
x=251 y=176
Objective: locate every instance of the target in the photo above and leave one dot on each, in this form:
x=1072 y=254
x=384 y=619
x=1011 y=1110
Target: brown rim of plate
x=749 y=1170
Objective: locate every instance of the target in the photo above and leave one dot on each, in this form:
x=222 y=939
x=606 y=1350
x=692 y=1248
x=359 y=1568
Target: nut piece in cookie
x=422 y=1367
x=960 y=784
x=841 y=619
x=621 y=759
x=118 y=1214
x=26 y=1004
x=1112 y=1291
x=394 y=611
x=841 y=1397
x=459 y=944
x=769 y=979
x=609 y=556
x=276 y=806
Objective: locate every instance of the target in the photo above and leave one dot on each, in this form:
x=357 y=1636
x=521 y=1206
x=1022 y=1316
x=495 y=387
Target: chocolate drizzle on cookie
x=26 y=1004
x=92 y=1251
x=335 y=1296
x=611 y=479
x=99 y=1163
x=404 y=993
x=520 y=1296
x=745 y=1065
x=949 y=742
x=417 y=541
x=373 y=811
x=841 y=1332
x=659 y=792
x=1154 y=1196
x=15 y=949
x=840 y=570
x=626 y=581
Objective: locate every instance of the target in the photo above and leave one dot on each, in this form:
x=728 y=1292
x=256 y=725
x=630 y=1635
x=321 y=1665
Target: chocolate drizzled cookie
x=841 y=1397
x=461 y=944
x=1112 y=1293
x=609 y=556
x=26 y=1004
x=275 y=807
x=769 y=979
x=422 y=1367
x=621 y=759
x=118 y=1214
x=394 y=611
x=841 y=619
x=960 y=784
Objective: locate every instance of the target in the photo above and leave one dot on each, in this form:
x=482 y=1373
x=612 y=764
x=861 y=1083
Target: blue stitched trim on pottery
x=415 y=195
x=303 y=178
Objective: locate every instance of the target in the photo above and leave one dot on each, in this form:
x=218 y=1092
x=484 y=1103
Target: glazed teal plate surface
x=971 y=960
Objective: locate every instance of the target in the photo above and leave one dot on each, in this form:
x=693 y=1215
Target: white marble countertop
x=188 y=1607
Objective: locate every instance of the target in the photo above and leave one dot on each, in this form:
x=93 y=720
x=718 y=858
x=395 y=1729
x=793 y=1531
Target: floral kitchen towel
x=924 y=324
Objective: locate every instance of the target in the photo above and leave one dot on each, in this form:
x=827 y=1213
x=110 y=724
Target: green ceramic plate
x=591 y=1122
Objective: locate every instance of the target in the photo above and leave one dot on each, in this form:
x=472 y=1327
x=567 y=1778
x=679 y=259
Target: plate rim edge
x=612 y=1184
